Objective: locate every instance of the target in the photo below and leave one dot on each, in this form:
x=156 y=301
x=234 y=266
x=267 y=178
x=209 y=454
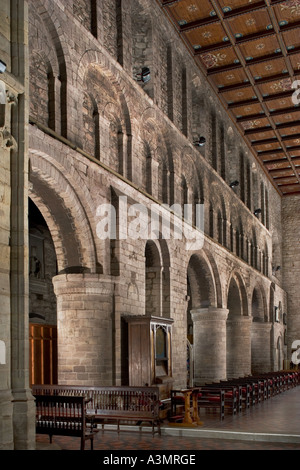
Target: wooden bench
x=113 y=404
x=63 y=416
x=233 y=396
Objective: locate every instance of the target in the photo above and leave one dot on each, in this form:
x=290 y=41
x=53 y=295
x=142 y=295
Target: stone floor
x=271 y=425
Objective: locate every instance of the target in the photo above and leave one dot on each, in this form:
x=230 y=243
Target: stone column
x=85 y=329
x=209 y=344
x=18 y=350
x=238 y=346
x=261 y=347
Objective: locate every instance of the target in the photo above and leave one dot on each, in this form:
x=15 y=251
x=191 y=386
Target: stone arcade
x=77 y=132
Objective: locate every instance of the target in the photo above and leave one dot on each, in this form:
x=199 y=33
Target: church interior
x=149 y=196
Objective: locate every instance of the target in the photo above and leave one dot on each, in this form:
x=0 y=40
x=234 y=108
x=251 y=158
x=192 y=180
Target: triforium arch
x=58 y=65
x=191 y=187
x=157 y=163
x=218 y=225
x=260 y=332
x=238 y=329
x=107 y=114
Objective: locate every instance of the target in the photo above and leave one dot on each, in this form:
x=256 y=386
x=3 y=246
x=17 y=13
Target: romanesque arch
x=157 y=279
x=108 y=113
x=238 y=329
x=157 y=162
x=55 y=63
x=260 y=332
x=208 y=319
x=201 y=282
x=68 y=222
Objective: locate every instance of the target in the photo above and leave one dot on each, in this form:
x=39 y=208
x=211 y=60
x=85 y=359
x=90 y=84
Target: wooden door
x=43 y=354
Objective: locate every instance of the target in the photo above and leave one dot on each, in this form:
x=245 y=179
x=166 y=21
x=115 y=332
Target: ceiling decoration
x=249 y=51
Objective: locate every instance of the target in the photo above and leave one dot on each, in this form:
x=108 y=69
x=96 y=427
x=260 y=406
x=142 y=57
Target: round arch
x=66 y=217
x=237 y=303
x=157 y=279
x=201 y=282
x=259 y=304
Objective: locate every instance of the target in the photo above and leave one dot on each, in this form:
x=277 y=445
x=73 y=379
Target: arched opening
x=279 y=354
x=42 y=300
x=220 y=228
x=238 y=331
x=153 y=274
x=184 y=197
x=201 y=294
x=105 y=122
x=91 y=135
x=260 y=333
x=157 y=280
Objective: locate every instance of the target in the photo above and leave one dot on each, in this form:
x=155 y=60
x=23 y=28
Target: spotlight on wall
x=144 y=76
x=234 y=184
x=275 y=269
x=257 y=212
x=200 y=142
x=2 y=67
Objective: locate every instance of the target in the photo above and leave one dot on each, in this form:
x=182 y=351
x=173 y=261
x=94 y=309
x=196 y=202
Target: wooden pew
x=113 y=404
x=63 y=416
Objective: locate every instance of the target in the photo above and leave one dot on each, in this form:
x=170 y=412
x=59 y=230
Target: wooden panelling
x=43 y=354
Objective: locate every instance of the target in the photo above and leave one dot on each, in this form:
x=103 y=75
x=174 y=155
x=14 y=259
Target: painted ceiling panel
x=249 y=51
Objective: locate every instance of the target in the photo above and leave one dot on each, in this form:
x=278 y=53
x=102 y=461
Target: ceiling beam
x=245 y=9
x=270 y=152
x=275 y=96
x=256 y=130
x=278 y=171
x=251 y=117
x=273 y=140
x=277 y=112
x=198 y=23
x=272 y=162
x=166 y=3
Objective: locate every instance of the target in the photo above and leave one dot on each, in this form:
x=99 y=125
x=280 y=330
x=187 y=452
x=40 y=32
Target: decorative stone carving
x=7 y=141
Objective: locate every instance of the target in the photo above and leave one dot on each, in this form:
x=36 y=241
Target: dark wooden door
x=43 y=354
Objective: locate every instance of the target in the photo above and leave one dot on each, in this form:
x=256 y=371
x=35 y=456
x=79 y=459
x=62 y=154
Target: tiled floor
x=277 y=419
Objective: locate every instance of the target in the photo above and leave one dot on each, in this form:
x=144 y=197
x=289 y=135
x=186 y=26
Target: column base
x=24 y=420
x=6 y=420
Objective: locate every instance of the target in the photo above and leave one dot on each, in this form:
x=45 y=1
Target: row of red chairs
x=235 y=394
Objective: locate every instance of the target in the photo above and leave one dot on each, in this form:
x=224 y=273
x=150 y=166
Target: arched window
x=184 y=195
x=91 y=133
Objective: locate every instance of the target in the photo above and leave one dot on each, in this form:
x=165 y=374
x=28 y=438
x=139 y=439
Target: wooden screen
x=43 y=354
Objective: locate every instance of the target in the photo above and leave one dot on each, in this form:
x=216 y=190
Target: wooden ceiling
x=249 y=51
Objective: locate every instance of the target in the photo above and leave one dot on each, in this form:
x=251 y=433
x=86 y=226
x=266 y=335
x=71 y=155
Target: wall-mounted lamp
x=200 y=142
x=257 y=211
x=2 y=67
x=275 y=269
x=144 y=76
x=234 y=184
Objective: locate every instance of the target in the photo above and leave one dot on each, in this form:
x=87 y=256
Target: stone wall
x=291 y=267
x=135 y=140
